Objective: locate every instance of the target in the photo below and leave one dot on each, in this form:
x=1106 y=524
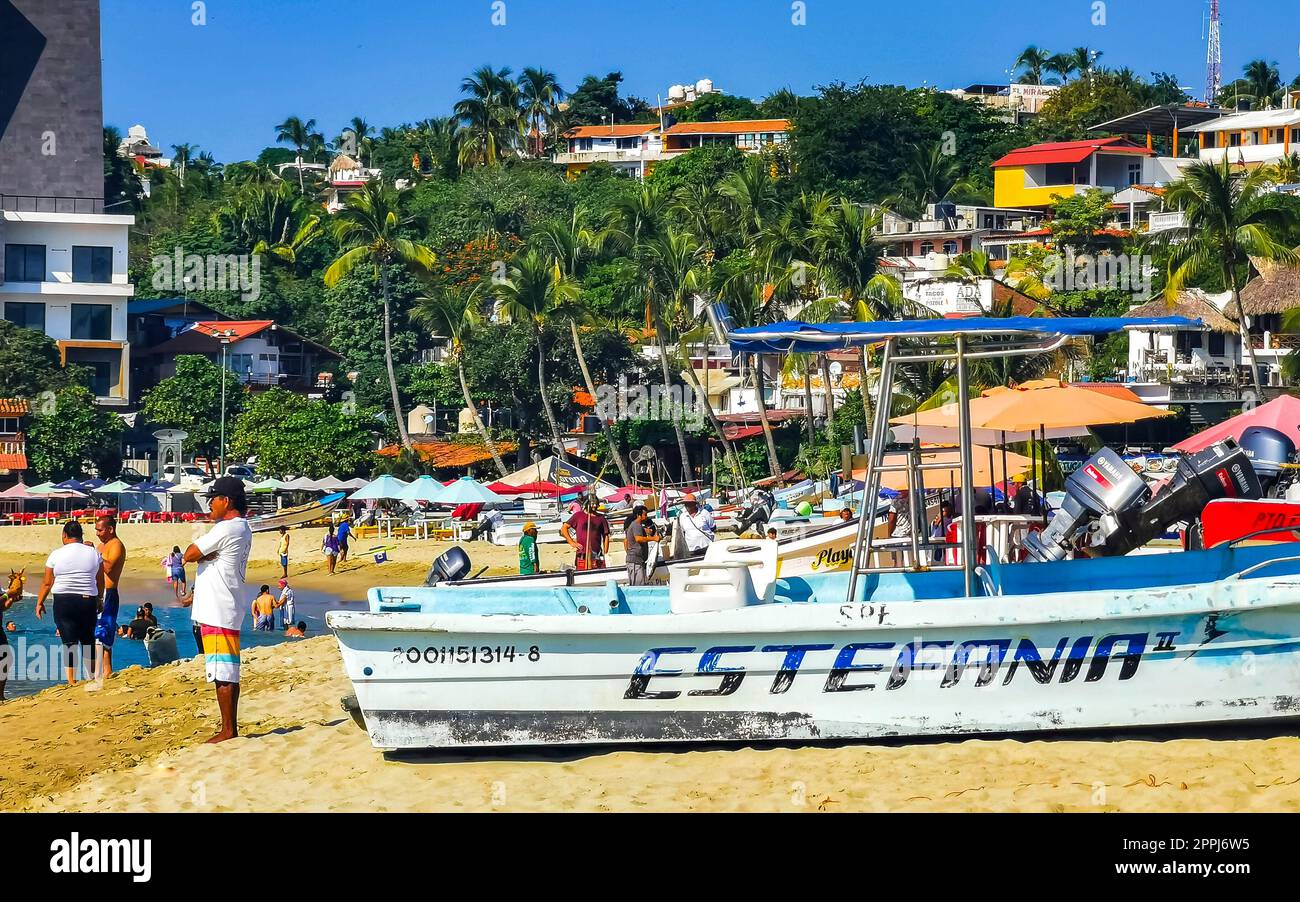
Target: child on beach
x=174 y=565
x=330 y=546
x=262 y=607
x=284 y=551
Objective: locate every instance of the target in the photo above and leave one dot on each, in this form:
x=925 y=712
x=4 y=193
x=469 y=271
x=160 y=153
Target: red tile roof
x=729 y=128
x=241 y=328
x=14 y=407
x=1069 y=152
x=13 y=461
x=633 y=130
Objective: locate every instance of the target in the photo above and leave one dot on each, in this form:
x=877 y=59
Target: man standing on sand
x=284 y=551
x=636 y=539
x=218 y=596
x=587 y=533
x=344 y=533
x=530 y=561
x=113 y=552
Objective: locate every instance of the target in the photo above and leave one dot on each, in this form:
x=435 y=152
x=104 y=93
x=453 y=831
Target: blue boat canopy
x=793 y=335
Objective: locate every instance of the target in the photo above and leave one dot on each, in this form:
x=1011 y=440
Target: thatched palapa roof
x=1275 y=290
x=1192 y=304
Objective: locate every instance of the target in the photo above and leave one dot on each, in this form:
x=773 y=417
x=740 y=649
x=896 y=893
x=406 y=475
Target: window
x=28 y=316
x=10 y=426
x=1135 y=173
x=93 y=322
x=1216 y=344
x=99 y=376
x=1234 y=139
x=629 y=143
x=583 y=144
x=1295 y=136
x=927 y=248
x=92 y=264
x=241 y=363
x=25 y=262
x=1062 y=174
x=950 y=248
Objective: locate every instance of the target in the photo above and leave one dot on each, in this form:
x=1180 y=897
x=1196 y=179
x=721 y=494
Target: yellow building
x=1034 y=177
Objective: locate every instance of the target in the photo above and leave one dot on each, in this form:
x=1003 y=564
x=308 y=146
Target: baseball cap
x=231 y=488
x=689 y=498
x=529 y=525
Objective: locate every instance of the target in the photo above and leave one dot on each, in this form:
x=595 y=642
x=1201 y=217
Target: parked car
x=239 y=471
x=186 y=474
x=132 y=477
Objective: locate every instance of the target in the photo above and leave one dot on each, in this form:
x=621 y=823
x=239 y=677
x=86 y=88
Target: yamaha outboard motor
x=1268 y=449
x=451 y=565
x=1114 y=506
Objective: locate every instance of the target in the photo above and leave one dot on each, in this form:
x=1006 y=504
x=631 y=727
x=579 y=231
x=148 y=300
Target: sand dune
x=137 y=746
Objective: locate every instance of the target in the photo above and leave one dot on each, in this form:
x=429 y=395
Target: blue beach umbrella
x=468 y=491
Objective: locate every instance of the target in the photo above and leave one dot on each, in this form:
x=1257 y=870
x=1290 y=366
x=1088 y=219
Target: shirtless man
x=113 y=552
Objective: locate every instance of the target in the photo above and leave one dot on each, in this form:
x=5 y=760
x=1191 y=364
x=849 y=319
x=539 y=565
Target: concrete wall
x=50 y=91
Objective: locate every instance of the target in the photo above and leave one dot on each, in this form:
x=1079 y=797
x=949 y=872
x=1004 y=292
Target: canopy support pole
x=968 y=527
x=875 y=460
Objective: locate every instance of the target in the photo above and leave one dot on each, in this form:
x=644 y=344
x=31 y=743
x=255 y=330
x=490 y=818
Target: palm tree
x=370 y=228
x=492 y=118
x=1033 y=60
x=454 y=312
x=540 y=92
x=536 y=292
x=1286 y=171
x=570 y=246
x=1226 y=224
x=1063 y=65
x=1085 y=61
x=361 y=134
x=931 y=176
x=440 y=140
x=1263 y=83
x=677 y=277
x=752 y=193
x=298 y=133
x=181 y=156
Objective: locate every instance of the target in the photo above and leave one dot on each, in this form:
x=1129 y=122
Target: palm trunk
x=546 y=401
x=830 y=399
x=703 y=395
x=864 y=387
x=687 y=475
x=478 y=421
x=1245 y=337
x=302 y=187
x=388 y=361
x=773 y=463
x=605 y=428
x=807 y=400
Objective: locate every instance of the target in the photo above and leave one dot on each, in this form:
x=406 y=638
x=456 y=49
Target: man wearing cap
x=695 y=525
x=637 y=539
x=530 y=561
x=587 y=533
x=218 y=595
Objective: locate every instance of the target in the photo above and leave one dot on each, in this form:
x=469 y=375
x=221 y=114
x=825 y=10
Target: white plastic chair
x=735 y=573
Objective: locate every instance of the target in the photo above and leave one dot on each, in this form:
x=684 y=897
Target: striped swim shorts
x=220 y=653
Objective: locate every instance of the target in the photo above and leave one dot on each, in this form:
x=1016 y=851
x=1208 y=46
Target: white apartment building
x=1259 y=137
x=632 y=149
x=65 y=274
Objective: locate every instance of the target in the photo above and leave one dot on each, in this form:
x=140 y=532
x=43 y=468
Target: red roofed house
x=1036 y=176
x=260 y=352
x=13 y=438
x=630 y=148
x=748 y=134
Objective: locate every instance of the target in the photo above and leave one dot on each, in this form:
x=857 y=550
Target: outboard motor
x=453 y=564
x=1268 y=449
x=1114 y=506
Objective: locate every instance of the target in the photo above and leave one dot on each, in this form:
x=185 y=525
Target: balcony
x=38 y=203
x=609 y=156
x=1162 y=222
x=1246 y=153
x=1272 y=341
x=297 y=384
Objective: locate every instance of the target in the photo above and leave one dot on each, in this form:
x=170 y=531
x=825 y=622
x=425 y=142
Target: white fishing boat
x=298 y=516
x=732 y=650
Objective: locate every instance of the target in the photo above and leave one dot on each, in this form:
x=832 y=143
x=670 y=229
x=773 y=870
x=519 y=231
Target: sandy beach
x=137 y=745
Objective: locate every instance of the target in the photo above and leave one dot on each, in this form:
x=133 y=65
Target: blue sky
x=226 y=84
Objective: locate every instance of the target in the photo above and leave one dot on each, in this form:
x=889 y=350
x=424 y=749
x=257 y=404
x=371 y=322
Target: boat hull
x=1215 y=652
x=298 y=516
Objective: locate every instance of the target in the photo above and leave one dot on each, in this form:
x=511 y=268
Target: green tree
x=371 y=230
x=1031 y=64
x=493 y=119
x=298 y=133
x=30 y=363
x=76 y=435
x=289 y=433
x=191 y=400
x=718 y=108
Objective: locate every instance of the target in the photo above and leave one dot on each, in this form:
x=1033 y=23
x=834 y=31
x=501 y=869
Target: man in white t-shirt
x=218 y=596
x=695 y=525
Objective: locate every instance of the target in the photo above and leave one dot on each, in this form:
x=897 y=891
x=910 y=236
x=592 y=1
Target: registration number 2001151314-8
x=465 y=654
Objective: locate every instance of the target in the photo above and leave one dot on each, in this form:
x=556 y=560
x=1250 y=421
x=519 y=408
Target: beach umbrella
x=301 y=484
x=92 y=485
x=352 y=485
x=331 y=484
x=19 y=491
x=267 y=485
x=987 y=469
x=534 y=488
x=426 y=488
x=385 y=488
x=114 y=488
x=467 y=491
x=70 y=485
x=1282 y=414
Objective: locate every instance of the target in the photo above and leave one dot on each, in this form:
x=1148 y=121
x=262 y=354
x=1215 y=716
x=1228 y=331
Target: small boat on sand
x=298 y=516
